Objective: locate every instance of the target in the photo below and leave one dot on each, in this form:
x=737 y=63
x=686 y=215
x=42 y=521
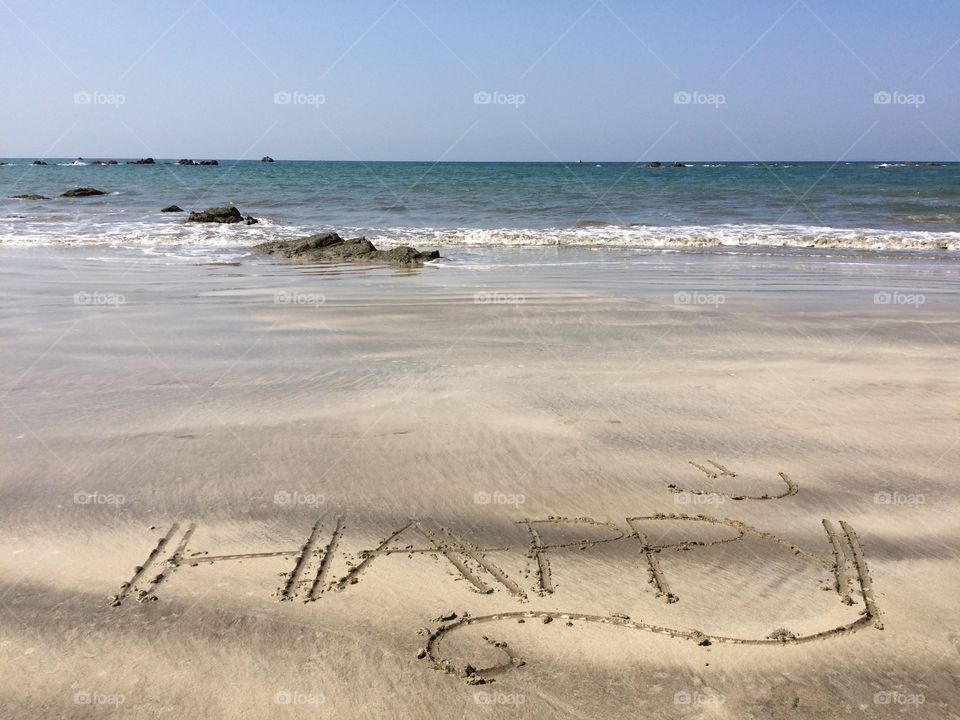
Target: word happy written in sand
x=311 y=575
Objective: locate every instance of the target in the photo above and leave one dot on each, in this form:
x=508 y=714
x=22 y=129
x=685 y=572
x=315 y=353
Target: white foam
x=687 y=236
x=119 y=230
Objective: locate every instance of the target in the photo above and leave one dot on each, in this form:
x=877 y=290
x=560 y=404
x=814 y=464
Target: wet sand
x=551 y=483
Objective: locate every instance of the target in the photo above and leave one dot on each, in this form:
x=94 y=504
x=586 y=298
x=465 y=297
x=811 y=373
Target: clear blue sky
x=397 y=79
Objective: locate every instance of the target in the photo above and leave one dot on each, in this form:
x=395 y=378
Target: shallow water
x=846 y=205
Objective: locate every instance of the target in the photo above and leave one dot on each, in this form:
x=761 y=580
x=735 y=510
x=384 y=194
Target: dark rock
x=30 y=196
x=266 y=158
x=185 y=162
x=39 y=162
x=225 y=214
x=656 y=164
x=112 y=162
x=678 y=164
x=143 y=161
x=330 y=246
x=406 y=255
x=250 y=220
x=933 y=164
x=172 y=208
x=82 y=192
x=209 y=162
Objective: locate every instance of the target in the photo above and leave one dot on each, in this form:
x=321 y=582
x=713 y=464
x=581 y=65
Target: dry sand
x=260 y=491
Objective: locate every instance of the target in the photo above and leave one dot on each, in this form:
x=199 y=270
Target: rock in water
x=266 y=158
x=225 y=214
x=329 y=246
x=39 y=162
x=30 y=196
x=143 y=161
x=82 y=192
x=656 y=164
x=172 y=208
x=209 y=162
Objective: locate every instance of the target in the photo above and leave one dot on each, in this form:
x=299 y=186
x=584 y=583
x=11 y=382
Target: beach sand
x=545 y=448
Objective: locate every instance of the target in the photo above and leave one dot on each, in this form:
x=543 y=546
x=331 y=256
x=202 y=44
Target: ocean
x=862 y=206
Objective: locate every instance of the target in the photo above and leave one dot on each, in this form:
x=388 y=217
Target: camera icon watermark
x=484 y=697
x=98 y=498
x=697 y=698
x=895 y=97
x=695 y=297
x=685 y=497
x=285 y=297
x=286 y=497
x=895 y=297
x=498 y=298
x=295 y=97
x=96 y=698
x=695 y=97
x=892 y=697
x=499 y=498
x=85 y=97
x=98 y=299
x=292 y=697
x=495 y=97
x=885 y=497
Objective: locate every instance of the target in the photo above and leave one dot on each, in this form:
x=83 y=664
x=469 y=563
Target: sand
x=550 y=483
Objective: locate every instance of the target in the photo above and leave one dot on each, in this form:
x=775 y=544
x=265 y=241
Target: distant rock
x=225 y=214
x=933 y=164
x=172 y=208
x=39 y=162
x=187 y=161
x=329 y=246
x=143 y=161
x=266 y=158
x=250 y=220
x=30 y=196
x=209 y=162
x=656 y=164
x=678 y=164
x=82 y=192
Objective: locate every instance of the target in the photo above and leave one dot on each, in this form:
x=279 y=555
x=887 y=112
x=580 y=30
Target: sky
x=521 y=80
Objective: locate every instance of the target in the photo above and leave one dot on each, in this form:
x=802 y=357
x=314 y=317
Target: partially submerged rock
x=172 y=208
x=30 y=196
x=329 y=246
x=225 y=214
x=82 y=192
x=266 y=159
x=187 y=161
x=143 y=161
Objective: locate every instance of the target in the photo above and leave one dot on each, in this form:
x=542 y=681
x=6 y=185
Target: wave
x=150 y=231
x=688 y=236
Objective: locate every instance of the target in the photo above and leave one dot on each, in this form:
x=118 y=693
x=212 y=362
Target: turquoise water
x=852 y=205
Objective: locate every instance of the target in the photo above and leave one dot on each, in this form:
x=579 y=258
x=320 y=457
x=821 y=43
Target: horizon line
x=174 y=160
